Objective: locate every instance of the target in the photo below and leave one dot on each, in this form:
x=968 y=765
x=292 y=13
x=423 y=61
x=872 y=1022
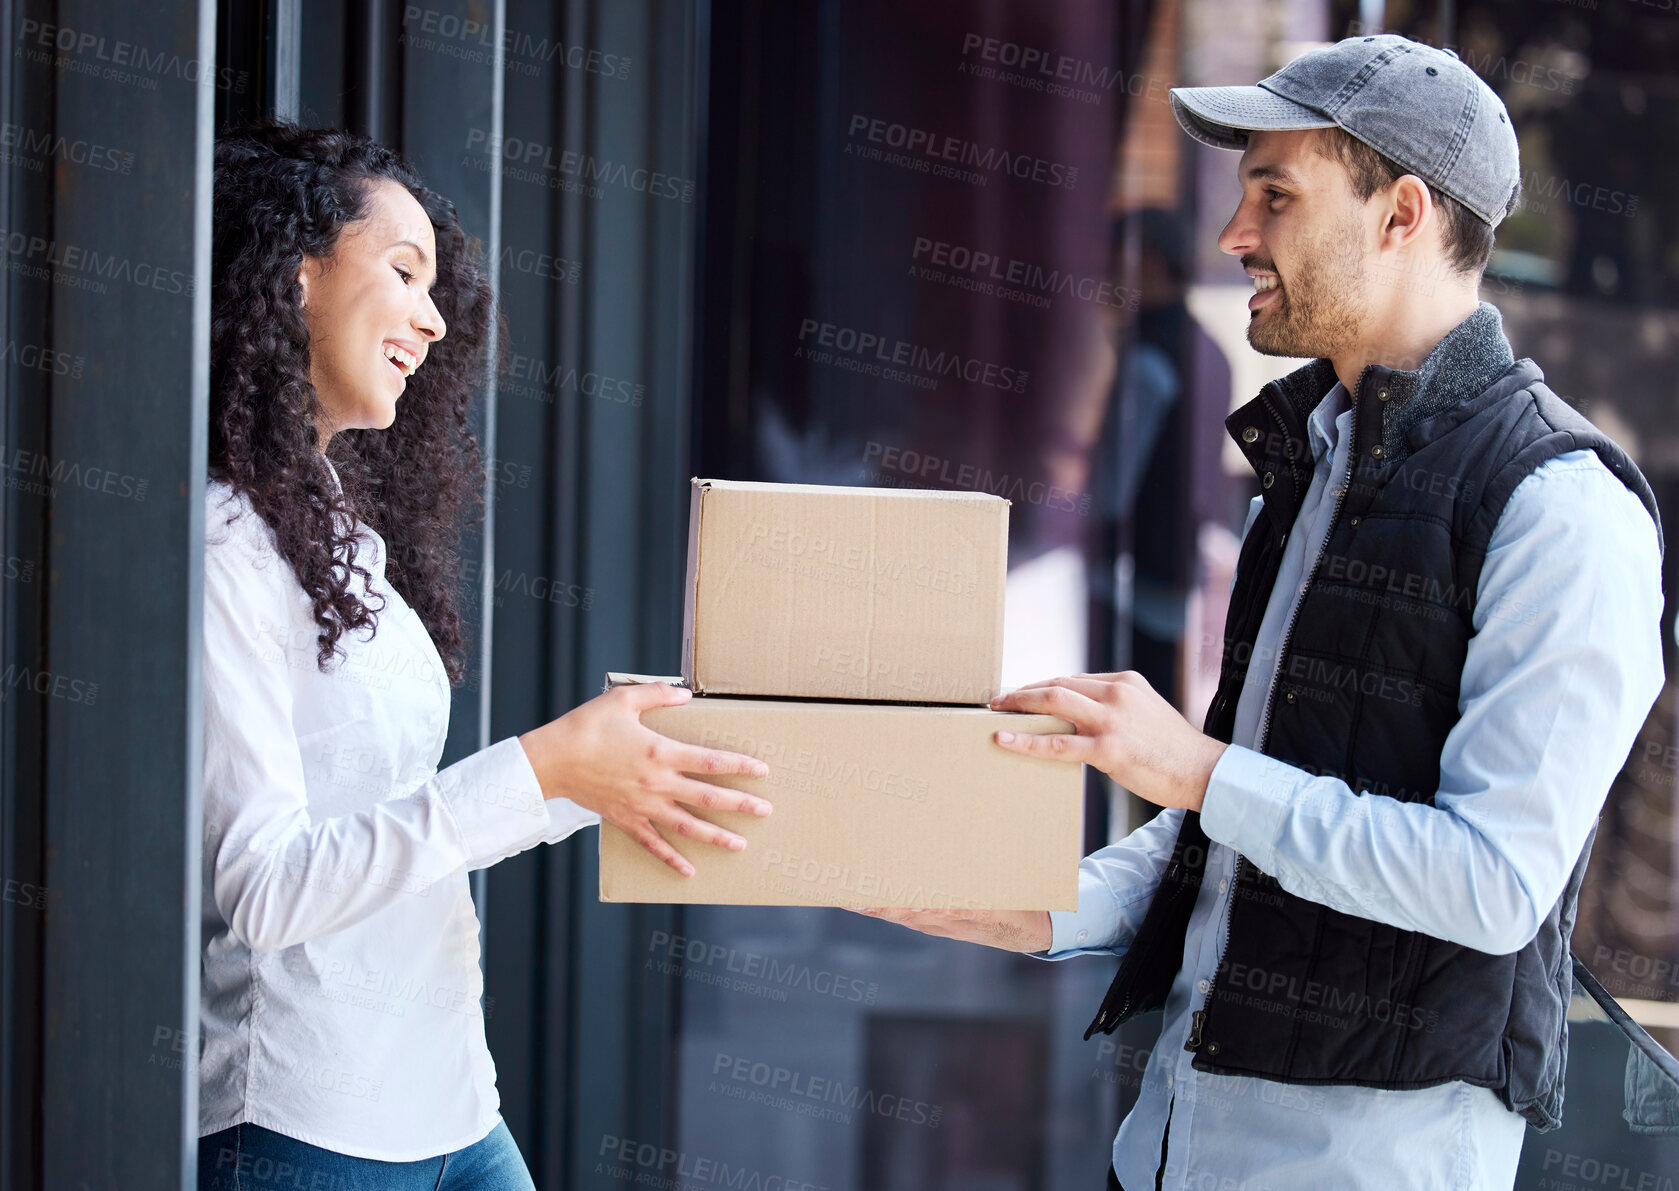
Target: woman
x=343 y=1043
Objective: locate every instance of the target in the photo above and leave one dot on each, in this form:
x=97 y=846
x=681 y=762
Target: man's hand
x=601 y=757
x=1010 y=930
x=1124 y=729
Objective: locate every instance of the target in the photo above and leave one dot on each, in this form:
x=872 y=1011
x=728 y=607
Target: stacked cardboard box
x=801 y=597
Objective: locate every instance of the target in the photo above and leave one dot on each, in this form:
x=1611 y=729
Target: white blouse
x=341 y=987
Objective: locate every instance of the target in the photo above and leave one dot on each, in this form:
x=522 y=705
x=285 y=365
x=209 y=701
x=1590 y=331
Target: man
x=1443 y=636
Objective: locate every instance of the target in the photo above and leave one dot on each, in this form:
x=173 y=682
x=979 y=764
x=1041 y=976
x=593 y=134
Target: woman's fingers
x=705 y=796
x=720 y=798
x=642 y=696
x=715 y=762
x=689 y=826
x=644 y=833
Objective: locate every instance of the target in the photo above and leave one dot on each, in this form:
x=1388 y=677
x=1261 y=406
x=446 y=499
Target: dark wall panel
x=123 y=269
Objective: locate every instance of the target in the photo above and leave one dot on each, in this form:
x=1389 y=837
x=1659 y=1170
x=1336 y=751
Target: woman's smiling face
x=369 y=311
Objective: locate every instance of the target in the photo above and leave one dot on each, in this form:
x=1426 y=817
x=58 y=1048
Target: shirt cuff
x=1091 y=927
x=495 y=799
x=1248 y=797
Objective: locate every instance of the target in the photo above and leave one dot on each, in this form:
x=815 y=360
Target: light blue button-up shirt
x=1564 y=665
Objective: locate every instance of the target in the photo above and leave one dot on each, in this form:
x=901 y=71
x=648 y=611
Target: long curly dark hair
x=281 y=192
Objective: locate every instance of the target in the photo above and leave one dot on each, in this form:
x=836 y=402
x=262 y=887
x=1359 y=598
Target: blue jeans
x=251 y=1158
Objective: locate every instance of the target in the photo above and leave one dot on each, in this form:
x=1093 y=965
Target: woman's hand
x=1125 y=729
x=1010 y=930
x=601 y=757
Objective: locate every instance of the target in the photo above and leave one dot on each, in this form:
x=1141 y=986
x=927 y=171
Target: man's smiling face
x=1305 y=239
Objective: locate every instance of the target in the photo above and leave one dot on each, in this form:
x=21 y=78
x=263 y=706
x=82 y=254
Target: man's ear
x=1411 y=213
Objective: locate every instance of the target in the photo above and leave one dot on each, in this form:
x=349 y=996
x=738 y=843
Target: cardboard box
x=803 y=591
x=875 y=805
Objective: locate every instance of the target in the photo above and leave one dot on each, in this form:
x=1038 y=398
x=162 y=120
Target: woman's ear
x=303 y=272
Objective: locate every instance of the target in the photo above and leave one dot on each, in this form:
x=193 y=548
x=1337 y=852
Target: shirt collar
x=1321 y=429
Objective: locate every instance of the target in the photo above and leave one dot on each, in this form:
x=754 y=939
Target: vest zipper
x=1198 y=1020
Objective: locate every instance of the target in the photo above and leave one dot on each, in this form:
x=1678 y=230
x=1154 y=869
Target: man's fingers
x=691 y=759
x=1092 y=687
x=1053 y=746
x=943 y=923
x=1072 y=705
x=643 y=832
x=1031 y=686
x=1077 y=682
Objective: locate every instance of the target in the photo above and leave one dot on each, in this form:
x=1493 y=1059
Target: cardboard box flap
x=812 y=591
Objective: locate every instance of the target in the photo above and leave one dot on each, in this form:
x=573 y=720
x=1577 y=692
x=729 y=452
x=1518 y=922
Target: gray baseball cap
x=1416 y=105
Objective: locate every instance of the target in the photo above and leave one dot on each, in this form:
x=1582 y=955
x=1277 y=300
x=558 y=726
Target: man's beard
x=1320 y=308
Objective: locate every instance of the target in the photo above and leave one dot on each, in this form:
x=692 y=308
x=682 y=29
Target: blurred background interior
x=692 y=209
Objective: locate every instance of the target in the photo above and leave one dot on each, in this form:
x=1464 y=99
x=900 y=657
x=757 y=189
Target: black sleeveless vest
x=1366 y=691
